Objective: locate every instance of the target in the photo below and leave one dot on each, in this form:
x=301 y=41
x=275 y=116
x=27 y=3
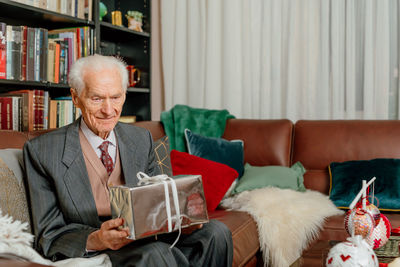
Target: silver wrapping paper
x=144 y=211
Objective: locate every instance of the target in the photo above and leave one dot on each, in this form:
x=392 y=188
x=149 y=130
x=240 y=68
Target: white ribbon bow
x=144 y=179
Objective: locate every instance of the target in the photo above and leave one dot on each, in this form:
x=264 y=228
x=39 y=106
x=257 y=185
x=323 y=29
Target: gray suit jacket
x=62 y=204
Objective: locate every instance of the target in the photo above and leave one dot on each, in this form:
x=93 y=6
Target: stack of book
x=76 y=8
x=36 y=54
x=32 y=110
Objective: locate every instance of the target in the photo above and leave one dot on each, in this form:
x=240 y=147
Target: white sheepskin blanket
x=287 y=220
x=15 y=242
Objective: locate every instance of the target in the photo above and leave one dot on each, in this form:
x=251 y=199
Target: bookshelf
x=133 y=46
x=103 y=38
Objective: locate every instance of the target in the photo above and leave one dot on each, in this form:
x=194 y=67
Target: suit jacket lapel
x=76 y=177
x=127 y=152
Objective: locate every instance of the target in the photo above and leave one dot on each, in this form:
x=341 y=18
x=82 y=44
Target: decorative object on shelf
x=353 y=252
x=134 y=75
x=116 y=18
x=135 y=20
x=127 y=119
x=102 y=10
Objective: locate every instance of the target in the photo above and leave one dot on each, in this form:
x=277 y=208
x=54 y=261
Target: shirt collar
x=95 y=140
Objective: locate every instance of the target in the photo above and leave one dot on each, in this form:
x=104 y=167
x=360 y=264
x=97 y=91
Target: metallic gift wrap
x=144 y=207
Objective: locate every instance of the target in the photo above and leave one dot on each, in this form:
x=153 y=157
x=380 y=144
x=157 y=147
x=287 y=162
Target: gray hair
x=95 y=63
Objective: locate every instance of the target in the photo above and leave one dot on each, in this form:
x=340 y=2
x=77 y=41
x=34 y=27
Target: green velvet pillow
x=276 y=176
x=346 y=181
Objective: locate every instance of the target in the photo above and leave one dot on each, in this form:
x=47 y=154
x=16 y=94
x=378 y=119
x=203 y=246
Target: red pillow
x=217 y=177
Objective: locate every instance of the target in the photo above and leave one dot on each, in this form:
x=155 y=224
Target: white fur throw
x=287 y=220
x=15 y=242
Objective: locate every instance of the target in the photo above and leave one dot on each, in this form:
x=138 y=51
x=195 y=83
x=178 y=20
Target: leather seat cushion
x=244 y=234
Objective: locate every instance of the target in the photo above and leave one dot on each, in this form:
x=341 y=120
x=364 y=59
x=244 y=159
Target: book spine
x=62 y=61
x=57 y=63
x=43 y=54
x=36 y=117
x=16 y=50
x=20 y=114
x=41 y=120
x=24 y=52
x=37 y=55
x=66 y=60
x=78 y=43
x=50 y=61
x=6 y=113
x=1 y=114
x=53 y=114
x=9 y=72
x=3 y=50
x=15 y=111
x=46 y=104
x=30 y=61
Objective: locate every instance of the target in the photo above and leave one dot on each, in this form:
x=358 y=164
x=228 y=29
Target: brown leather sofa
x=280 y=142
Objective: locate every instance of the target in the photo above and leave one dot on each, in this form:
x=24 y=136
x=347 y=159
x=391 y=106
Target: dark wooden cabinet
x=132 y=46
x=108 y=39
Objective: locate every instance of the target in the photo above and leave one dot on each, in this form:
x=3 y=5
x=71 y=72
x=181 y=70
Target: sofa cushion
x=217 y=177
x=244 y=234
x=216 y=149
x=277 y=176
x=346 y=181
x=12 y=191
x=161 y=150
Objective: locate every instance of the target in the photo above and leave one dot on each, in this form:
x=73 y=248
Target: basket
x=389 y=251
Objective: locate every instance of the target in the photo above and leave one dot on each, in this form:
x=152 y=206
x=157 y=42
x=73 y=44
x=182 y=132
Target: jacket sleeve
x=54 y=238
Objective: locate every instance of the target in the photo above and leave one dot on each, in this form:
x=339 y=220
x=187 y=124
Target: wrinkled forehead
x=104 y=81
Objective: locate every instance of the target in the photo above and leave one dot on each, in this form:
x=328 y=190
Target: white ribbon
x=363 y=192
x=144 y=179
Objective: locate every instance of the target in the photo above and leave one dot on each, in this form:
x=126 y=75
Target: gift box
x=151 y=208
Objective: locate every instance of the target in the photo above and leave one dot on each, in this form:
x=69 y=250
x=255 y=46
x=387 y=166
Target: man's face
x=101 y=101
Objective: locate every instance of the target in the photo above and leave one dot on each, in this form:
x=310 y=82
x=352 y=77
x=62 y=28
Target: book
x=8 y=50
x=57 y=63
x=24 y=52
x=127 y=119
x=3 y=50
x=30 y=59
x=16 y=51
x=38 y=109
x=51 y=60
x=63 y=61
x=88 y=9
x=36 y=51
x=43 y=54
x=53 y=114
x=15 y=113
x=27 y=107
x=6 y=113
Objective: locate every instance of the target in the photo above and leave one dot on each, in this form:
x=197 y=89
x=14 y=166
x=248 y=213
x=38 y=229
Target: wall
x=157 y=86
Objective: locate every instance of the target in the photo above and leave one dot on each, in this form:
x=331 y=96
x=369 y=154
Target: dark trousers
x=208 y=246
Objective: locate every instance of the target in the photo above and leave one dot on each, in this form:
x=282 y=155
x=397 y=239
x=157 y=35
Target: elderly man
x=69 y=170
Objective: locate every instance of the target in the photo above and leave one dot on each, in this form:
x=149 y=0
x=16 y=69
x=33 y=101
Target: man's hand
x=190 y=229
x=109 y=236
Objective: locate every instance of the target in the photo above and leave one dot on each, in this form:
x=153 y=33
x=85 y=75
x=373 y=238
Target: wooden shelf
x=138 y=90
x=108 y=39
x=24 y=14
x=109 y=26
x=41 y=85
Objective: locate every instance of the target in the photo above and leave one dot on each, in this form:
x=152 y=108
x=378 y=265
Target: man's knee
x=220 y=233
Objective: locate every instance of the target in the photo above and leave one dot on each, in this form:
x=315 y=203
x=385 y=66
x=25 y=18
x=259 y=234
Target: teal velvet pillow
x=275 y=176
x=346 y=181
x=216 y=149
